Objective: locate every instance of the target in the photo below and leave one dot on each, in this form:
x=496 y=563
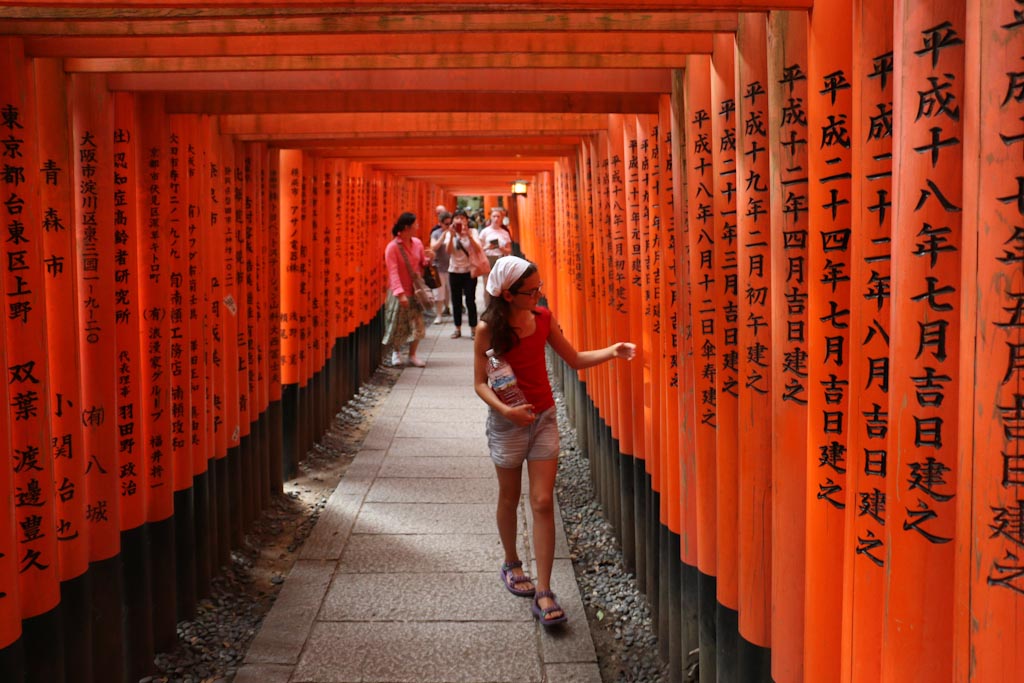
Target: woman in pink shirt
x=403 y=317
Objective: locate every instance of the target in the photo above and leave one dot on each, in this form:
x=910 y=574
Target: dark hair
x=462 y=212
x=503 y=337
x=403 y=222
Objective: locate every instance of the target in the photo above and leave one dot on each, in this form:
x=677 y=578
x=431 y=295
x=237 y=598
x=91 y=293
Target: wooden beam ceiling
x=221 y=8
x=483 y=19
x=467 y=80
x=463 y=94
x=435 y=166
x=323 y=101
x=437 y=42
x=495 y=123
x=486 y=60
x=450 y=154
x=467 y=141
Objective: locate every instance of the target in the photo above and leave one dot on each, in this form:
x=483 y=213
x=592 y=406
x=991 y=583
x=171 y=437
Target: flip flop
x=511 y=580
x=543 y=612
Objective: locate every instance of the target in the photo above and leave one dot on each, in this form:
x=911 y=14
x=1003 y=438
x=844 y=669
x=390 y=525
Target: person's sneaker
x=396 y=359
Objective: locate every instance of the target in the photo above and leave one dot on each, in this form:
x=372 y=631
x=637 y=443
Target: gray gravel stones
x=211 y=646
x=620 y=621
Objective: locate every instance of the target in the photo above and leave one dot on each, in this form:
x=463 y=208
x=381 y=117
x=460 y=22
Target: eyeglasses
x=530 y=292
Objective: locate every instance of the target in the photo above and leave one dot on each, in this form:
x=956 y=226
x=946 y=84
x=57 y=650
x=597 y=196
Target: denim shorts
x=511 y=445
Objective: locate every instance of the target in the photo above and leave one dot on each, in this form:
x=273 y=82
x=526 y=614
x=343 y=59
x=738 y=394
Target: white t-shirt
x=459 y=258
x=492 y=233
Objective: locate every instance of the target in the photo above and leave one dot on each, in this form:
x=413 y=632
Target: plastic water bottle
x=503 y=380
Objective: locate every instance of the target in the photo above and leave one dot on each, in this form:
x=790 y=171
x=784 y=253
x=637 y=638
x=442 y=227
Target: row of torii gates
x=808 y=215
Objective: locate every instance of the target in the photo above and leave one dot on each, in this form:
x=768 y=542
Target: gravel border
x=620 y=620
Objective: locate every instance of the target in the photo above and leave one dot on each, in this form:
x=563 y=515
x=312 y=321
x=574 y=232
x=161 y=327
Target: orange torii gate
x=804 y=213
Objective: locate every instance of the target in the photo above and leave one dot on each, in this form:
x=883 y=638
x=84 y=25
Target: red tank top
x=528 y=362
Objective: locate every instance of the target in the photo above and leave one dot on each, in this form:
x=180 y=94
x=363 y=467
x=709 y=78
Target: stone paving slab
x=356 y=485
x=380 y=434
x=361 y=473
x=472 y=414
x=438 y=467
x=264 y=673
x=396 y=403
x=399 y=395
x=571 y=642
x=440 y=553
x=448 y=370
x=287 y=626
x=438 y=397
x=572 y=673
x=409 y=378
x=329 y=536
x=458 y=362
x=408 y=490
x=425 y=518
x=413 y=597
x=453 y=357
x=462 y=398
x=342 y=652
x=467 y=446
x=460 y=345
x=452 y=429
x=367 y=458
x=450 y=382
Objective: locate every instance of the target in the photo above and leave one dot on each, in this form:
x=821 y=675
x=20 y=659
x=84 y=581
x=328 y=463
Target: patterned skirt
x=402 y=324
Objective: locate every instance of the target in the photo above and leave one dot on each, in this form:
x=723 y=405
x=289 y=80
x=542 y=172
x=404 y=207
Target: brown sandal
x=456 y=334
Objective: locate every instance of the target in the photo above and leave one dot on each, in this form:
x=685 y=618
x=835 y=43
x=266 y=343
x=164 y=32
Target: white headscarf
x=504 y=273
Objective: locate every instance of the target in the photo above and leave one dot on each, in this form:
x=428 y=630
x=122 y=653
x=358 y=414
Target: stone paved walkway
x=398 y=582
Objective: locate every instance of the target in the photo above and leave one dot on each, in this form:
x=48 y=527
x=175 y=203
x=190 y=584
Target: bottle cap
x=490 y=353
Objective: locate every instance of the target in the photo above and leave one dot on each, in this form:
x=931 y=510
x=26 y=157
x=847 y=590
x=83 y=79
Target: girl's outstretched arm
x=580 y=360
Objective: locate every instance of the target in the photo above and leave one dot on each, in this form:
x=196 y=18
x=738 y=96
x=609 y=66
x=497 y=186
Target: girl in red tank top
x=518 y=330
